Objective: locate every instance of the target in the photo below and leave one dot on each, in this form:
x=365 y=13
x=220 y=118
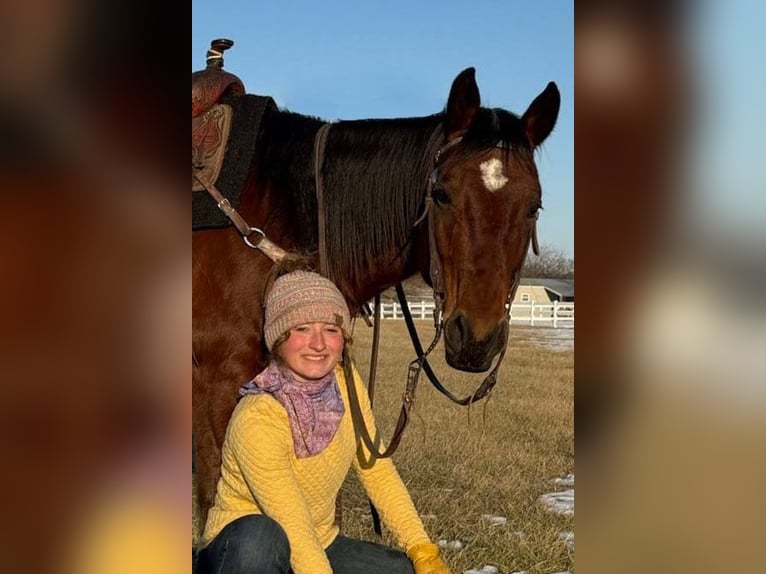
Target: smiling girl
x=289 y=446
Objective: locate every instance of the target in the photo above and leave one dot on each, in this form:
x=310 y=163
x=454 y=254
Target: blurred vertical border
x=95 y=290
x=670 y=378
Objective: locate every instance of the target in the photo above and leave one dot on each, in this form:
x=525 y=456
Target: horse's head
x=486 y=197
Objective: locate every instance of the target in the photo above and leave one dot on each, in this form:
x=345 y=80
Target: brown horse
x=459 y=188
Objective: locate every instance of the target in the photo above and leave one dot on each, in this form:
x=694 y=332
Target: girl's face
x=312 y=350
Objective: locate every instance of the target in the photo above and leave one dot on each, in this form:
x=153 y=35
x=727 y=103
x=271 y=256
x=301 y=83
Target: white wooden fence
x=554 y=314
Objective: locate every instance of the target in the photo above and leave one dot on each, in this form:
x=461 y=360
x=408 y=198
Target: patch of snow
x=559 y=502
x=494 y=520
x=483 y=570
x=557 y=339
x=452 y=545
x=568 y=480
x=568 y=537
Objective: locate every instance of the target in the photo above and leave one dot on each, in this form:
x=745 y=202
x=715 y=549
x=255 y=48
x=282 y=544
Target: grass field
x=497 y=458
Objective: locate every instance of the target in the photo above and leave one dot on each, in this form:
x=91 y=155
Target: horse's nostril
x=456 y=331
x=461 y=327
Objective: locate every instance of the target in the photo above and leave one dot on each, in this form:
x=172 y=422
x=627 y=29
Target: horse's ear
x=541 y=115
x=463 y=102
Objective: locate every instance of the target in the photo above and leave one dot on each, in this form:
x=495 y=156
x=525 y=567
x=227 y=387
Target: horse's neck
x=366 y=288
x=281 y=194
x=399 y=153
x=288 y=149
x=288 y=146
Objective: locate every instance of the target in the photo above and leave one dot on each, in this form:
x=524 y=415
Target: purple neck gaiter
x=314 y=409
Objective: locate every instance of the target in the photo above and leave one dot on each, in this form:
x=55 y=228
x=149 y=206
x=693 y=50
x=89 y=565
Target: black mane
x=374 y=178
x=375 y=174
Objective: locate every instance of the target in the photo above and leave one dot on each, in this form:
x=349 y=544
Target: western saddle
x=211 y=119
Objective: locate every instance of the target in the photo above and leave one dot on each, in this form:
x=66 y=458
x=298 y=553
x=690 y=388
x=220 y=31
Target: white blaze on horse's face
x=492 y=174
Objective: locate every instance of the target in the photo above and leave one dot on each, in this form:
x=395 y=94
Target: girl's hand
x=426 y=560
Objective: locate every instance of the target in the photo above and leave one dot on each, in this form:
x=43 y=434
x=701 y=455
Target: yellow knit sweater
x=260 y=474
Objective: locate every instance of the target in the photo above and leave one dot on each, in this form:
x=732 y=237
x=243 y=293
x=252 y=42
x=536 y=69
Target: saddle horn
x=214 y=56
x=211 y=84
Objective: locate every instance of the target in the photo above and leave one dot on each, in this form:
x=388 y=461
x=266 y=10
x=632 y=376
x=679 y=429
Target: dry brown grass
x=495 y=458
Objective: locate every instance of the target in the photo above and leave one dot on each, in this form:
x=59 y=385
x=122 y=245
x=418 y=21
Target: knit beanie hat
x=303 y=297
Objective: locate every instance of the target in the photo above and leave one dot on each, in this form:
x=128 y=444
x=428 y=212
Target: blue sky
x=343 y=59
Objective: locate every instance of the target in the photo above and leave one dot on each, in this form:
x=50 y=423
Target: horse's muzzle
x=464 y=352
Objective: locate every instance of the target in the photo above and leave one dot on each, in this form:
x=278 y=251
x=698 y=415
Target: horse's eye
x=440 y=196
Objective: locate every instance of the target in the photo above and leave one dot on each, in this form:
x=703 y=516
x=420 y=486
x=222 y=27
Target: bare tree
x=552 y=263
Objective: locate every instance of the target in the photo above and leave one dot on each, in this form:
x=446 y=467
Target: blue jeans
x=256 y=544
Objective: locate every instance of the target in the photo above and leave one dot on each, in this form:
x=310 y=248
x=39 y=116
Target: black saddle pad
x=247 y=112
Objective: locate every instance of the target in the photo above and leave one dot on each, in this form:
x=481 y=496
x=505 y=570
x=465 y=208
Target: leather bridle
x=421 y=362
